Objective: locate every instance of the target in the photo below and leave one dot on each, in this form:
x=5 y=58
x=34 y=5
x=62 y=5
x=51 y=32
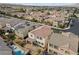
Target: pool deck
x=34 y=49
x=21 y=48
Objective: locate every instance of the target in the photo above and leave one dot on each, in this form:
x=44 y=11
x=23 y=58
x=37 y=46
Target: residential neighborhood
x=39 y=30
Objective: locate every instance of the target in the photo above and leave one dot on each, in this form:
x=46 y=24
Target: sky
x=39 y=1
x=43 y=2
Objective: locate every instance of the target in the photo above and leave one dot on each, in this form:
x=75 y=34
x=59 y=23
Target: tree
x=11 y=36
x=39 y=51
x=48 y=13
x=42 y=21
x=76 y=10
x=22 y=10
x=73 y=15
x=48 y=23
x=61 y=26
x=34 y=20
x=15 y=16
x=21 y=17
x=2 y=32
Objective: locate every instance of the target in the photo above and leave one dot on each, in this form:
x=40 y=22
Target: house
x=14 y=22
x=60 y=44
x=9 y=22
x=22 y=29
x=3 y=22
x=57 y=17
x=4 y=49
x=39 y=35
x=11 y=25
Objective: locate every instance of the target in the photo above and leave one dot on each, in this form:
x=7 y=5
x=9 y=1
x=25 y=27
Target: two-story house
x=22 y=29
x=61 y=44
x=40 y=35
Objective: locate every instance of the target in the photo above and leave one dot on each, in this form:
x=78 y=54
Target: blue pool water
x=17 y=51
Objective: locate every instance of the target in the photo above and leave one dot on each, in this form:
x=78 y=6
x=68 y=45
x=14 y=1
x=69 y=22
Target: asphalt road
x=75 y=28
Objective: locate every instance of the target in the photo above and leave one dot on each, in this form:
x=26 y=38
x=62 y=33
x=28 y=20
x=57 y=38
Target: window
x=51 y=45
x=37 y=37
x=55 y=53
x=50 y=50
x=62 y=49
x=31 y=35
x=40 y=38
x=41 y=43
x=56 y=47
x=35 y=41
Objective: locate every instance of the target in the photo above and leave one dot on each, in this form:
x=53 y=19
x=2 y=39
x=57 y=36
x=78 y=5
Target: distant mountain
x=49 y=4
x=43 y=4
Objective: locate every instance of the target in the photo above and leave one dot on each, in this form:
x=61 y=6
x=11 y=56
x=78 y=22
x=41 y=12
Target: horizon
x=44 y=4
x=48 y=4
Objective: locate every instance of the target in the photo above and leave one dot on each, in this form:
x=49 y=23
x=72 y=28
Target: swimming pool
x=17 y=51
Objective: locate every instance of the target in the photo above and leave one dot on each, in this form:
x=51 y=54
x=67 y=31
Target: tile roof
x=42 y=31
x=60 y=40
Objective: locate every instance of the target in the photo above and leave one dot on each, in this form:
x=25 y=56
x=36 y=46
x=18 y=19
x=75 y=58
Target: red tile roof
x=42 y=31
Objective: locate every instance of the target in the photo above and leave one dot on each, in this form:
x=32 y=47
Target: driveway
x=4 y=50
